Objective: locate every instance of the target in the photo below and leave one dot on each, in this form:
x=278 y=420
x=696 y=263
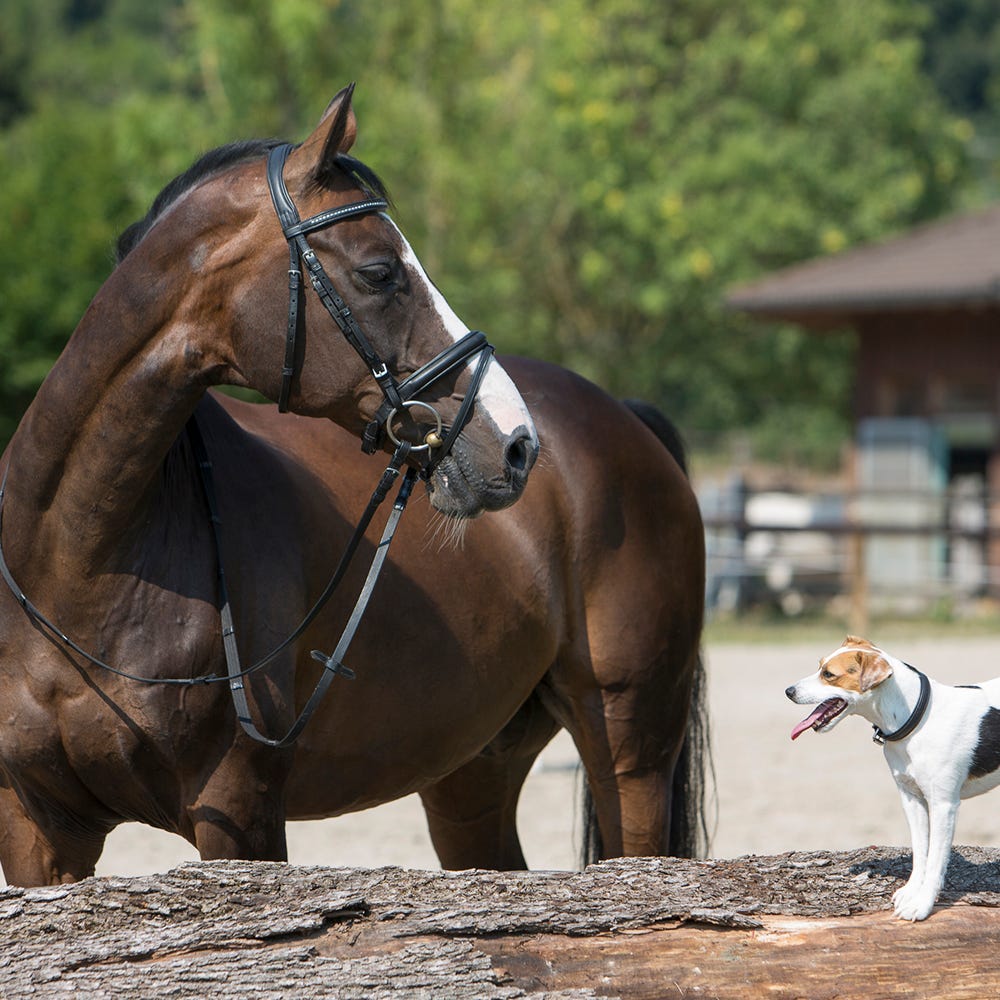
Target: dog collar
x=923 y=699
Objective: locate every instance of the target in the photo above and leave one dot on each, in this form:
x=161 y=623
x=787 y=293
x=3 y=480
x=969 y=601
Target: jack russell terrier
x=942 y=744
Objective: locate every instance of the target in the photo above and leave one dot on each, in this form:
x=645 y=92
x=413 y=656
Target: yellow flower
x=701 y=263
x=562 y=84
x=671 y=205
x=614 y=201
x=596 y=112
x=808 y=54
x=832 y=239
x=962 y=129
x=794 y=18
x=886 y=53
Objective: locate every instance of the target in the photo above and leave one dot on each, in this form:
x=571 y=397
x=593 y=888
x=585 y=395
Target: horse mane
x=222 y=158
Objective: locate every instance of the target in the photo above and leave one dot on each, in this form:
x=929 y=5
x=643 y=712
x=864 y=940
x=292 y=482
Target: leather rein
x=397 y=396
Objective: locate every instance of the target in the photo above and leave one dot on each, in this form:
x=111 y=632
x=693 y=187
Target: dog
x=942 y=744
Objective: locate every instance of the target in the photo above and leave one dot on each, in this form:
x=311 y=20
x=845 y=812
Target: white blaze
x=498 y=395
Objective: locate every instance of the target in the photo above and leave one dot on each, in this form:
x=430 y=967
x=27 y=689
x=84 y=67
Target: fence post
x=858 y=620
x=857 y=615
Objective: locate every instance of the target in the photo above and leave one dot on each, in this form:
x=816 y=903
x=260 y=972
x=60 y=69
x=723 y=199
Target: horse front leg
x=472 y=812
x=34 y=854
x=471 y=815
x=239 y=813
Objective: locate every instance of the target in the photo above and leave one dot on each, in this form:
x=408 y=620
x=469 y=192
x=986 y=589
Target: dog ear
x=874 y=670
x=856 y=640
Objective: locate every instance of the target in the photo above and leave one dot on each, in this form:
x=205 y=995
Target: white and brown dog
x=942 y=744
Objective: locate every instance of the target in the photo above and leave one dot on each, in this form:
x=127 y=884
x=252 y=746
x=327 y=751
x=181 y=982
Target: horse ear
x=316 y=158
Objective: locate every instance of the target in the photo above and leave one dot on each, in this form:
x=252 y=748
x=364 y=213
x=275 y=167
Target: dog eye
x=827 y=675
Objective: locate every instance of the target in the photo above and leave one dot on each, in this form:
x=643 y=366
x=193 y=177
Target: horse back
x=617 y=468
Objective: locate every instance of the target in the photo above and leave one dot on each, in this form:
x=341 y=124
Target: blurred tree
x=26 y=27
x=962 y=56
x=80 y=155
x=583 y=177
x=962 y=53
x=606 y=168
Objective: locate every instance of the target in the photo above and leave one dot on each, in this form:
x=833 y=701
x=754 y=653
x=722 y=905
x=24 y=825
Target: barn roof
x=952 y=263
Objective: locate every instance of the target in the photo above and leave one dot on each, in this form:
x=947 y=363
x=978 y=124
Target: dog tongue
x=808 y=723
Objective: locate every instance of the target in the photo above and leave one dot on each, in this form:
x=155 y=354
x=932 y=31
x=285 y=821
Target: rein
x=398 y=396
x=235 y=673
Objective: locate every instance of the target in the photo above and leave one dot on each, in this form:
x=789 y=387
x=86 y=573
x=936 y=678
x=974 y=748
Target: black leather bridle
x=398 y=395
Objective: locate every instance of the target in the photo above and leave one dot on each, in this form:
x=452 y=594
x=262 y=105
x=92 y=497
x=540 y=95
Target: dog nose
x=790 y=692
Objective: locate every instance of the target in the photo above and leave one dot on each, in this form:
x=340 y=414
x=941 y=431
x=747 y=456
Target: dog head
x=846 y=677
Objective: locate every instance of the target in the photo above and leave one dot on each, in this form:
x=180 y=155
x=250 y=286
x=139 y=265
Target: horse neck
x=85 y=461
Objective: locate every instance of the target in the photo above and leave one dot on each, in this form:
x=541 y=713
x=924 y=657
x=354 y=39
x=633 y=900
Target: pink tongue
x=808 y=723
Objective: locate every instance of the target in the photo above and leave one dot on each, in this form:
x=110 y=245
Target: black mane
x=221 y=159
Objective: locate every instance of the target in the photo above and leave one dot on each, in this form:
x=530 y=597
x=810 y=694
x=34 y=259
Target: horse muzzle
x=462 y=485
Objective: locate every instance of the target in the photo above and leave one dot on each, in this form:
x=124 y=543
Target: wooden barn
x=926 y=310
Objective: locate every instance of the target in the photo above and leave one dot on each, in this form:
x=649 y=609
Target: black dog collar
x=915 y=716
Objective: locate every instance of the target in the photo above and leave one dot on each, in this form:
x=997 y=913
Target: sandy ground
x=822 y=792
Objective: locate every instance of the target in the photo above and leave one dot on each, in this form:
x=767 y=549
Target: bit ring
x=432 y=439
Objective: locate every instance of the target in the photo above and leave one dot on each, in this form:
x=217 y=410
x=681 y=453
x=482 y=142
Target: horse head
x=378 y=349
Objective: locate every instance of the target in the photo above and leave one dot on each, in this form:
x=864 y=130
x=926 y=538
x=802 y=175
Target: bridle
x=398 y=396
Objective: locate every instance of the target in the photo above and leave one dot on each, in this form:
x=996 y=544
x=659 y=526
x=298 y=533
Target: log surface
x=797 y=925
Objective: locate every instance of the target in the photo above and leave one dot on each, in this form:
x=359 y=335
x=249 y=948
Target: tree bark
x=797 y=925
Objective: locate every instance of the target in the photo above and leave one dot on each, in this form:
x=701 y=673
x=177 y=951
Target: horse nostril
x=521 y=451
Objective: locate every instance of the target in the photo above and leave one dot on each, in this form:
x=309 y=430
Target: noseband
x=398 y=395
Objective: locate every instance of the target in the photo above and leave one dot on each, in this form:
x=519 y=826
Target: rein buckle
x=329 y=663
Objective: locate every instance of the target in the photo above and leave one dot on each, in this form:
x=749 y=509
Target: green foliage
x=962 y=53
x=962 y=57
x=584 y=178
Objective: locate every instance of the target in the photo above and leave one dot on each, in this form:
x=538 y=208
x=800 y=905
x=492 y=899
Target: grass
x=764 y=628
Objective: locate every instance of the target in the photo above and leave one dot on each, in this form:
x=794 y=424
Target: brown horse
x=580 y=606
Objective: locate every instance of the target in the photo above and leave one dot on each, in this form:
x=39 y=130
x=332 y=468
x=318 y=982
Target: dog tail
x=694 y=771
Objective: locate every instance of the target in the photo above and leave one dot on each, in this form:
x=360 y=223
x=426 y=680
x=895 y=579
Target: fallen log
x=797 y=925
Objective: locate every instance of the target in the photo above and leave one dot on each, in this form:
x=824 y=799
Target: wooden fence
x=901 y=550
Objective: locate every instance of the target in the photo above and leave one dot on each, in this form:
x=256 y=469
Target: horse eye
x=379 y=276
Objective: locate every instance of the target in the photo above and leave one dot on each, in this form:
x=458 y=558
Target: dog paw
x=905 y=893
x=912 y=906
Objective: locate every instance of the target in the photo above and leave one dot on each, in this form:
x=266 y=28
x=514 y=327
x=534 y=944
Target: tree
x=635 y=167
x=584 y=178
x=962 y=57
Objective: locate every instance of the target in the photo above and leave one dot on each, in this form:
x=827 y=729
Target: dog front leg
x=917 y=903
x=915 y=810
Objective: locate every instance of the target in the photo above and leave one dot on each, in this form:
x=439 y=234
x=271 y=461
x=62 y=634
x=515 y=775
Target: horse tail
x=663 y=427
x=689 y=834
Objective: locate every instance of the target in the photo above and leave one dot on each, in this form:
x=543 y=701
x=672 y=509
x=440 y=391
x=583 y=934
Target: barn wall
x=942 y=366
x=930 y=364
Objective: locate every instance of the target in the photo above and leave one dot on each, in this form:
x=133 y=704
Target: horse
x=575 y=600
